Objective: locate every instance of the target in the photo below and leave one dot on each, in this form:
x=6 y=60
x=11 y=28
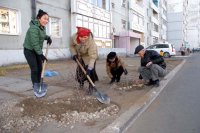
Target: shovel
x=40 y=89
x=101 y=97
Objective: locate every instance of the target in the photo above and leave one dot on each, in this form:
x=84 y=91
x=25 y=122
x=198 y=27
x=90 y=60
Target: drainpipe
x=33 y=9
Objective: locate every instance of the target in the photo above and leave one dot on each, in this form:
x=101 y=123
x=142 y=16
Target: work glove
x=89 y=72
x=75 y=57
x=49 y=41
x=43 y=58
x=125 y=71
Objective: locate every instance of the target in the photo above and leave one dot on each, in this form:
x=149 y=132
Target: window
x=123 y=24
x=123 y=3
x=155 y=39
x=9 y=21
x=151 y=47
x=99 y=28
x=113 y=5
x=54 y=27
x=105 y=4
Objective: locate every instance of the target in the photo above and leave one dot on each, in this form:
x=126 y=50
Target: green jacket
x=35 y=37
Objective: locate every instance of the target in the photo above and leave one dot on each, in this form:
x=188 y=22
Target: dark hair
x=41 y=13
x=112 y=55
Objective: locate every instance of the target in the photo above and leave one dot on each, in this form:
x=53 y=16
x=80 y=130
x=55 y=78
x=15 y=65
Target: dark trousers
x=35 y=64
x=81 y=77
x=117 y=72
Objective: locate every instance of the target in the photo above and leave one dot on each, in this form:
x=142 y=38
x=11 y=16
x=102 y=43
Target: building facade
x=177 y=22
x=192 y=23
x=14 y=23
x=128 y=24
x=163 y=20
x=95 y=15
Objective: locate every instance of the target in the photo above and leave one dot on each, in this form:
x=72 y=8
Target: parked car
x=167 y=48
x=196 y=49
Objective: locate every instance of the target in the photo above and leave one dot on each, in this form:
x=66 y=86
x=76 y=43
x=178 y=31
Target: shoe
x=157 y=83
x=89 y=92
x=151 y=82
x=81 y=85
x=118 y=79
x=112 y=80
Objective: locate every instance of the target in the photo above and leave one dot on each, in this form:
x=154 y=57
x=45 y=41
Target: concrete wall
x=11 y=47
x=102 y=52
x=119 y=13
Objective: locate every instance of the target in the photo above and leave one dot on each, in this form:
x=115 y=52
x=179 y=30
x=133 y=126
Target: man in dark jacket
x=152 y=65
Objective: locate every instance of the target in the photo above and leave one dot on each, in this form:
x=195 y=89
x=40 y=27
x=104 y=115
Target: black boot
x=157 y=83
x=90 y=90
x=150 y=82
x=118 y=79
x=81 y=85
x=112 y=80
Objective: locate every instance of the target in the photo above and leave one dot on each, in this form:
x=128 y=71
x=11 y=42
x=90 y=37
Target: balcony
x=164 y=37
x=164 y=27
x=154 y=7
x=85 y=8
x=137 y=8
x=163 y=16
x=154 y=20
x=154 y=33
x=136 y=27
x=164 y=6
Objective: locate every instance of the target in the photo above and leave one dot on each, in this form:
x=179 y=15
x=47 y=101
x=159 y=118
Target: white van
x=167 y=48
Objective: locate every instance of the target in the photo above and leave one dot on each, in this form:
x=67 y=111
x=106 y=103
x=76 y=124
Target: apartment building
x=14 y=22
x=192 y=23
x=163 y=20
x=177 y=22
x=95 y=15
x=128 y=24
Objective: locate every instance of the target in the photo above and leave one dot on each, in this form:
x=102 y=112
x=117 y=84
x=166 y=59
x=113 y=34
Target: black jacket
x=154 y=57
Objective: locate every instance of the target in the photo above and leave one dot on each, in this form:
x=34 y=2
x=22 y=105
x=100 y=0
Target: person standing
x=84 y=48
x=33 y=45
x=115 y=67
x=152 y=65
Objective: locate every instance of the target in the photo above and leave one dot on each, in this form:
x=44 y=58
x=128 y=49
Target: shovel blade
x=103 y=98
x=40 y=89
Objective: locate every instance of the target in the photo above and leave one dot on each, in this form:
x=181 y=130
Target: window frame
x=18 y=21
x=49 y=26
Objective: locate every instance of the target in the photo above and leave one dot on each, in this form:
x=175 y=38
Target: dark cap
x=138 y=48
x=111 y=55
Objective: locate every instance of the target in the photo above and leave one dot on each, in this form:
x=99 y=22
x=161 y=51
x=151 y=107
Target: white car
x=167 y=48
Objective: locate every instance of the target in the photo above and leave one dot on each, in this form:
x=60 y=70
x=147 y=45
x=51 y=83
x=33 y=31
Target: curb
x=124 y=121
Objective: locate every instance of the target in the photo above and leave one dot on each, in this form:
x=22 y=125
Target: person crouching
x=152 y=66
x=115 y=67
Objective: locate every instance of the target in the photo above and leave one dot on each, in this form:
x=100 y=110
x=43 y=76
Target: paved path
x=177 y=108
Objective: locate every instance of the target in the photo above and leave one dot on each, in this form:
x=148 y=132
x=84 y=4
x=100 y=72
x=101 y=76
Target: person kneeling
x=152 y=65
x=115 y=67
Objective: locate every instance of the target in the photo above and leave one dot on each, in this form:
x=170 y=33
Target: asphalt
x=21 y=88
x=123 y=122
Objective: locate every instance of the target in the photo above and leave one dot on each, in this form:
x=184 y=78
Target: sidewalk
x=86 y=113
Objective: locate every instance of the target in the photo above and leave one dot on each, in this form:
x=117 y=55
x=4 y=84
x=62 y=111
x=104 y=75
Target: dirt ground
x=29 y=113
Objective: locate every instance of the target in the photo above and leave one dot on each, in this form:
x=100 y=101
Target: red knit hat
x=82 y=32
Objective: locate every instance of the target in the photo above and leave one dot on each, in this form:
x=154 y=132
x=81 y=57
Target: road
x=177 y=108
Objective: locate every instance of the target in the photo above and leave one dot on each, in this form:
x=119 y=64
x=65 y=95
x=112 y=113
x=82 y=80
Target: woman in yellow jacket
x=115 y=67
x=84 y=49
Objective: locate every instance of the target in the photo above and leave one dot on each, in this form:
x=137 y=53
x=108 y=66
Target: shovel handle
x=88 y=77
x=45 y=62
